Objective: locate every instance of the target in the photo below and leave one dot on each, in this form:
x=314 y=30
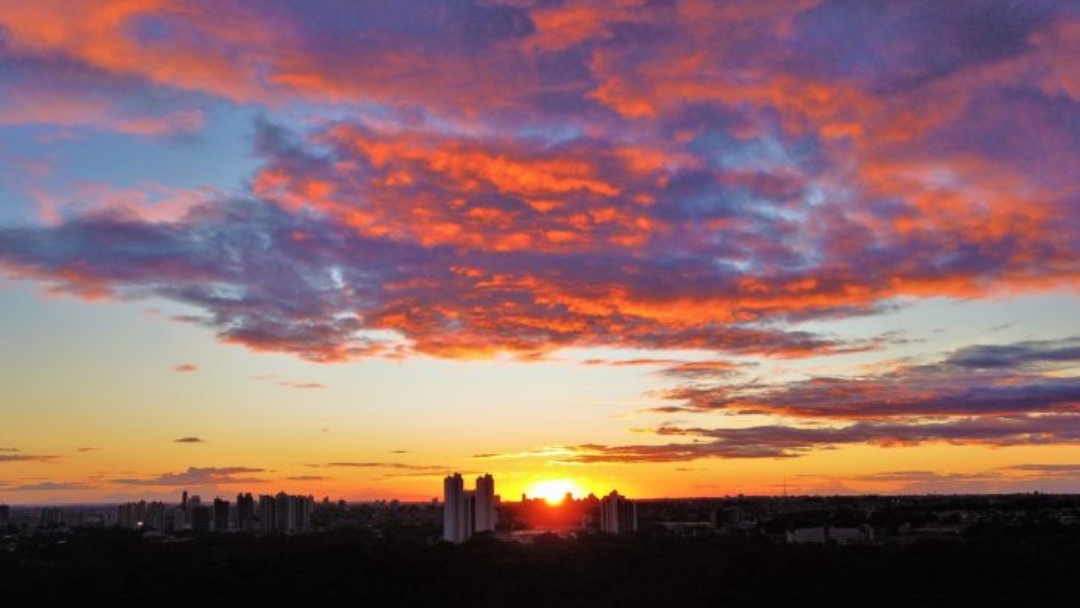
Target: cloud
x=290 y=383
x=384 y=465
x=304 y=385
x=27 y=457
x=87 y=449
x=185 y=368
x=9 y=449
x=974 y=380
x=1049 y=470
x=51 y=486
x=189 y=440
x=781 y=441
x=520 y=179
x=308 y=478
x=196 y=476
x=927 y=477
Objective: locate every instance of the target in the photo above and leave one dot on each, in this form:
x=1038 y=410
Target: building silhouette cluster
x=466 y=512
x=282 y=512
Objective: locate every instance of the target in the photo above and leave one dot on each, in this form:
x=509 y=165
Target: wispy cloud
x=189 y=440
x=974 y=380
x=780 y=441
x=384 y=465
x=185 y=368
x=197 y=476
x=28 y=458
x=52 y=486
x=273 y=378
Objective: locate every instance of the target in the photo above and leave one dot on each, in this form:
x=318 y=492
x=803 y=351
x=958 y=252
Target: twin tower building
x=467 y=512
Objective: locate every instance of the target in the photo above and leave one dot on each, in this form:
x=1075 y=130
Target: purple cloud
x=779 y=441
x=974 y=380
x=196 y=476
x=27 y=457
x=525 y=178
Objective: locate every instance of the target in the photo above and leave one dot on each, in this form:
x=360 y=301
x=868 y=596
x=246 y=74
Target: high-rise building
x=200 y=518
x=467 y=512
x=50 y=516
x=454 y=509
x=221 y=516
x=285 y=513
x=132 y=515
x=484 y=514
x=155 y=516
x=267 y=513
x=245 y=512
x=618 y=515
x=5 y=515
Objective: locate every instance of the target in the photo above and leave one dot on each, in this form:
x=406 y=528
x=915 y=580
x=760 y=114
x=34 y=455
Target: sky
x=669 y=247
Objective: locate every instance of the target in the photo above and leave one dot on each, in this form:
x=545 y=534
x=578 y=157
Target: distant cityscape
x=463 y=514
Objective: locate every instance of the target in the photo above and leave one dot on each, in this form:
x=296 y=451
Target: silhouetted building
x=267 y=513
x=484 y=514
x=245 y=512
x=200 y=518
x=454 y=509
x=618 y=515
x=285 y=513
x=154 y=516
x=50 y=516
x=221 y=515
x=131 y=514
x=467 y=512
x=861 y=535
x=5 y=515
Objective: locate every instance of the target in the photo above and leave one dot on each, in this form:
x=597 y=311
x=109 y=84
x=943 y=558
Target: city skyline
x=675 y=247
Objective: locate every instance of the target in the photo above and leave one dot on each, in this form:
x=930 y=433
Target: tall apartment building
x=618 y=514
x=285 y=513
x=245 y=512
x=467 y=512
x=221 y=516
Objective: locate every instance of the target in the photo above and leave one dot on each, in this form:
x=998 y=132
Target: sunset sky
x=674 y=247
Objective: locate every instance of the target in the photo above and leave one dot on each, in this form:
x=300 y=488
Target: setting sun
x=553 y=491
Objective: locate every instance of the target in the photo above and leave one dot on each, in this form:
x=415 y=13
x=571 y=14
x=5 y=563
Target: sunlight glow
x=555 y=490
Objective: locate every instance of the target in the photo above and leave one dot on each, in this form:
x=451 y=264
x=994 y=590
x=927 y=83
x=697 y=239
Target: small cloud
x=308 y=478
x=196 y=476
x=27 y=457
x=52 y=486
x=89 y=449
x=304 y=385
x=386 y=465
x=399 y=451
x=189 y=440
x=275 y=379
x=185 y=368
x=9 y=449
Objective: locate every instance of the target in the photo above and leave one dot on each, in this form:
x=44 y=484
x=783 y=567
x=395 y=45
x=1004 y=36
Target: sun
x=553 y=491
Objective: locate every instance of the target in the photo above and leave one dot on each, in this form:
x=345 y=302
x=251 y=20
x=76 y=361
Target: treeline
x=993 y=567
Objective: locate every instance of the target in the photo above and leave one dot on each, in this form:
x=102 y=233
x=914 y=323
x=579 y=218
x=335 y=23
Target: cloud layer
x=526 y=177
